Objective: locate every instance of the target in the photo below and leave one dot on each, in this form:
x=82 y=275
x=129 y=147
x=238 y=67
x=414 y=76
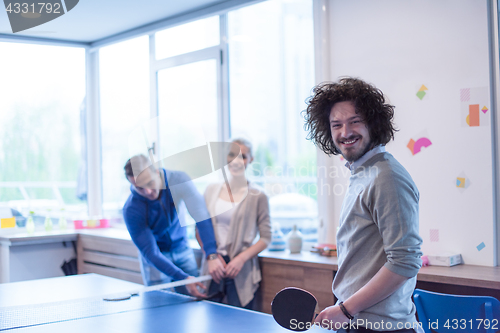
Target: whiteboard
x=430 y=58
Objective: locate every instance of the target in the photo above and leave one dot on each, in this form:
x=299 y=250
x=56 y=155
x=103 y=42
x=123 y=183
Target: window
x=271 y=72
x=124 y=86
x=42 y=141
x=188 y=37
x=187 y=106
x=188 y=93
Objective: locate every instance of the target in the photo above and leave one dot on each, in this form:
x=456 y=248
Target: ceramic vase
x=295 y=240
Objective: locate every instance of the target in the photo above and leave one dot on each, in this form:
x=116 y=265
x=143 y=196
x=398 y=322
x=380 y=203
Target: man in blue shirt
x=153 y=223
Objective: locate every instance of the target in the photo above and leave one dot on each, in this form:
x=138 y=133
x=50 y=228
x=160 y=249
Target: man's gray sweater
x=379 y=227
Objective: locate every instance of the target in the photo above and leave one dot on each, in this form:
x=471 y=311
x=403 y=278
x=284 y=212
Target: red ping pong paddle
x=294 y=309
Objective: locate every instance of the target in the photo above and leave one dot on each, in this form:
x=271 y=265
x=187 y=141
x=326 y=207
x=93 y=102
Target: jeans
x=182 y=258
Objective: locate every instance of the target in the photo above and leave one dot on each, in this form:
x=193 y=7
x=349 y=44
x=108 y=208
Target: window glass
x=186 y=122
x=188 y=37
x=271 y=73
x=42 y=141
x=124 y=85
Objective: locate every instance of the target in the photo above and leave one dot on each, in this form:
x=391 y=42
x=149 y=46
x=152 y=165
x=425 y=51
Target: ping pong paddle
x=294 y=309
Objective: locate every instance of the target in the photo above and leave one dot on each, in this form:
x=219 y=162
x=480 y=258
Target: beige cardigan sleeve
x=263 y=218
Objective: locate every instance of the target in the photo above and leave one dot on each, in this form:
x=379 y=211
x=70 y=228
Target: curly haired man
x=377 y=241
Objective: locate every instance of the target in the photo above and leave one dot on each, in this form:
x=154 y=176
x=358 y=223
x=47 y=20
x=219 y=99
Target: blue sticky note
x=480 y=246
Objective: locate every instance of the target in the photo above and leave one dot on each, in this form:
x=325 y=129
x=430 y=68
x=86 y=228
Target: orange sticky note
x=474 y=115
x=8 y=222
x=411 y=145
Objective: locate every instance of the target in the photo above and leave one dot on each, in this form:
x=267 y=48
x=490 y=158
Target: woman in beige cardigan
x=239 y=214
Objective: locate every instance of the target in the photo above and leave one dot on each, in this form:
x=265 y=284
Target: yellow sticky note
x=8 y=222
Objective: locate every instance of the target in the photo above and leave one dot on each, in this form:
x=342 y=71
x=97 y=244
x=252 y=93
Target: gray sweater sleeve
x=263 y=220
x=394 y=199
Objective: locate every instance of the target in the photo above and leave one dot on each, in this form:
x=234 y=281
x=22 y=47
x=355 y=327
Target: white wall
x=400 y=46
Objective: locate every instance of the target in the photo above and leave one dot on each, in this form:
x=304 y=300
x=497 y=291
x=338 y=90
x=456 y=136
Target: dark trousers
x=226 y=288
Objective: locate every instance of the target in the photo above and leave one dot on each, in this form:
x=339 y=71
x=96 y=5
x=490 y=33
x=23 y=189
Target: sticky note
x=473 y=115
x=8 y=222
x=460 y=182
x=410 y=146
x=421 y=92
x=484 y=109
x=464 y=95
x=434 y=235
x=480 y=246
x=416 y=146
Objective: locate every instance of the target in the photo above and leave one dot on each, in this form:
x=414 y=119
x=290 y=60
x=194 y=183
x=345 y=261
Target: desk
x=155 y=311
x=38 y=255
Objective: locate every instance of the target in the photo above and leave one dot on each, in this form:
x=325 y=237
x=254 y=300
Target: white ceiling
x=92 y=20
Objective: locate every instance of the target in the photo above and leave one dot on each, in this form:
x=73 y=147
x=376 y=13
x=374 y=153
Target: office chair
x=455 y=313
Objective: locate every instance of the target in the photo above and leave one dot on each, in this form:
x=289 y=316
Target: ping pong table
x=151 y=311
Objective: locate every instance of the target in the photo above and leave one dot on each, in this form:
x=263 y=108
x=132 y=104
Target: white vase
x=295 y=240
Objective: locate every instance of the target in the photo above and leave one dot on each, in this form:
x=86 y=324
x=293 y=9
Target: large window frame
x=218 y=52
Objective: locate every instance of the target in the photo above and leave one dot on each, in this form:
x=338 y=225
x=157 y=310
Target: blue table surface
x=173 y=313
x=154 y=311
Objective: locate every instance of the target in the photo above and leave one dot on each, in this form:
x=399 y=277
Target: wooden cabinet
x=109 y=253
x=281 y=270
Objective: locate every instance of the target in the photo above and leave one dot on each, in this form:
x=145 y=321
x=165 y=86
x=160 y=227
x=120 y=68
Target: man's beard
x=353 y=157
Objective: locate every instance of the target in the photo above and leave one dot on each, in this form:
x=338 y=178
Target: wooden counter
x=305 y=259
x=461 y=280
x=462 y=275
